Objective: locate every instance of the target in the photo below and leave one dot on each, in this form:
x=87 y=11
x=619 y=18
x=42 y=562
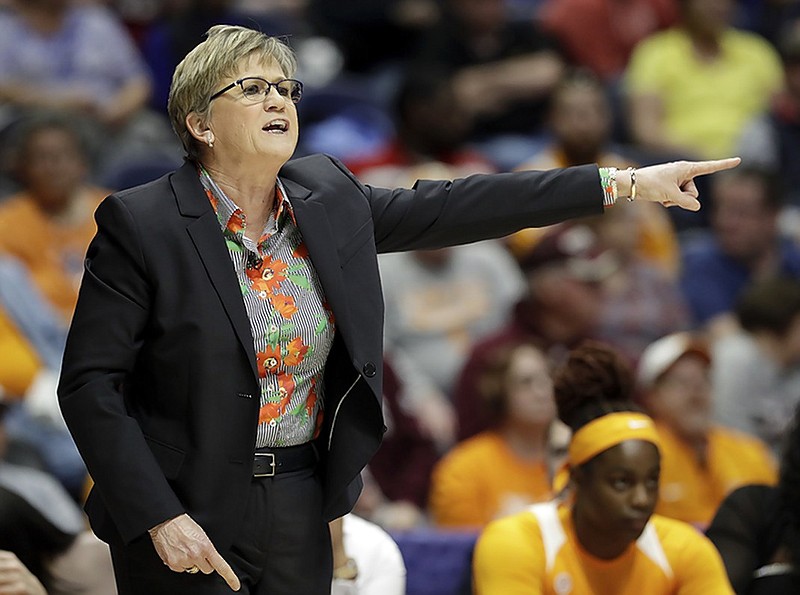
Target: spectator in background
x=60 y=54
x=503 y=73
x=373 y=35
x=701 y=462
x=600 y=34
x=513 y=456
x=693 y=87
x=181 y=24
x=49 y=223
x=580 y=121
x=744 y=244
x=757 y=529
x=772 y=139
x=366 y=560
x=397 y=482
x=440 y=302
x=431 y=129
x=16 y=578
x=560 y=308
x=32 y=334
x=580 y=124
x=756 y=371
x=32 y=338
x=44 y=528
x=606 y=539
x=640 y=301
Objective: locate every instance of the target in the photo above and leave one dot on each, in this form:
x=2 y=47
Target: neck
x=580 y=155
x=248 y=186
x=599 y=544
x=253 y=191
x=64 y=209
x=706 y=44
x=528 y=441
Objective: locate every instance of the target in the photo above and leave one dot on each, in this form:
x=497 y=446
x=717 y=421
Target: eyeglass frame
x=269 y=84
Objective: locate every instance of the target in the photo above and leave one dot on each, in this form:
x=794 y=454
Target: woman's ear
x=199 y=129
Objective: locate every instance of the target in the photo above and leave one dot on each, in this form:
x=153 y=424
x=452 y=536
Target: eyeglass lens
x=255 y=89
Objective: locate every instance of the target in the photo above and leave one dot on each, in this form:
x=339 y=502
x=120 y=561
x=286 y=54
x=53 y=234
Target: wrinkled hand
x=15 y=579
x=182 y=544
x=672 y=184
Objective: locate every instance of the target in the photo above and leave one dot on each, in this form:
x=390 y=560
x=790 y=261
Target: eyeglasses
x=255 y=89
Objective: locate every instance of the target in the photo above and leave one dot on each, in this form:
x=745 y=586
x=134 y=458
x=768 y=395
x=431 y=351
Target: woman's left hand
x=672 y=184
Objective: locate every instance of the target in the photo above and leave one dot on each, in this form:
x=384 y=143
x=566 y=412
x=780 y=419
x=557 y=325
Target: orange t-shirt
x=692 y=492
x=52 y=250
x=481 y=479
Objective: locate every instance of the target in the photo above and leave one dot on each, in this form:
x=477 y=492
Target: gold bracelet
x=632 y=171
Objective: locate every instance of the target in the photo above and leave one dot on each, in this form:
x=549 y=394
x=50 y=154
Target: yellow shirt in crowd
x=706 y=103
x=691 y=491
x=536 y=552
x=482 y=479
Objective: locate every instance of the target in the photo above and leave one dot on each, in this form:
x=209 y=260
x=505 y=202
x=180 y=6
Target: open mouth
x=277 y=127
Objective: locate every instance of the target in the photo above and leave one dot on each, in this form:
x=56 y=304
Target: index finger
x=219 y=564
x=701 y=168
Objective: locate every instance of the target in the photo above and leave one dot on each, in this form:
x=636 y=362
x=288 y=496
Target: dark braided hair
x=594 y=381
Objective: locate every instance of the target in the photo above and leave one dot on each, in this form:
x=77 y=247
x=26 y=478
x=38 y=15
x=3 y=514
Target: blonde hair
x=209 y=63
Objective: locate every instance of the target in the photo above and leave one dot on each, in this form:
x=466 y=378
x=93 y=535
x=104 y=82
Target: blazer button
x=369 y=369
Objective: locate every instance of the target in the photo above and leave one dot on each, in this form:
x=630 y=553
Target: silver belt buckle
x=271 y=472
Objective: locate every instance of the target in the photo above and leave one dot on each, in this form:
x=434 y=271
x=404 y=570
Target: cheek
x=601 y=506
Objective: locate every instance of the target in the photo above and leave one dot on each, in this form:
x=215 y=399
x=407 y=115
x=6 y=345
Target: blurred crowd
x=705 y=306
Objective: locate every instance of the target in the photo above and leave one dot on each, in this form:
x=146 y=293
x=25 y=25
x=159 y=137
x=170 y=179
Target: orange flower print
x=311 y=401
x=236 y=223
x=269 y=412
x=284 y=304
x=285 y=386
x=269 y=275
x=268 y=360
x=295 y=352
x=301 y=251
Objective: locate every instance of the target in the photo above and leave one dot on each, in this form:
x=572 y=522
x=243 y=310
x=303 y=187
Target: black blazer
x=159 y=384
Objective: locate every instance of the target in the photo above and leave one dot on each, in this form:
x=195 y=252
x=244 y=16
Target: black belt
x=272 y=461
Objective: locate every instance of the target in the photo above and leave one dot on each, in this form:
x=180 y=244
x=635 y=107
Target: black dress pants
x=283 y=547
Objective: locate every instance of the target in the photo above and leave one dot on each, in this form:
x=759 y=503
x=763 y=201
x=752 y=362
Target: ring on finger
x=192 y=570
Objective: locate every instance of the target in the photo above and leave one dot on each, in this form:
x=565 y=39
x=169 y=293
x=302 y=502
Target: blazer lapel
x=207 y=238
x=312 y=219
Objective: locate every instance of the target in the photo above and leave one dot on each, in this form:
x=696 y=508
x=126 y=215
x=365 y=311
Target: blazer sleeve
x=437 y=213
x=106 y=334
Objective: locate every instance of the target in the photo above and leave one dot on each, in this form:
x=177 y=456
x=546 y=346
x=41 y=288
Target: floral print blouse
x=291 y=323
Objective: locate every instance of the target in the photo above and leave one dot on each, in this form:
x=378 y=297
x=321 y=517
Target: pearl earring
x=210 y=143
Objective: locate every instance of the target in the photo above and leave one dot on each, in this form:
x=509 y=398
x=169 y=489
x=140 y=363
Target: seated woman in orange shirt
x=701 y=462
x=607 y=539
x=504 y=469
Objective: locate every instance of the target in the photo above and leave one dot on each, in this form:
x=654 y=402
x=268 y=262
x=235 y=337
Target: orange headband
x=608 y=431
